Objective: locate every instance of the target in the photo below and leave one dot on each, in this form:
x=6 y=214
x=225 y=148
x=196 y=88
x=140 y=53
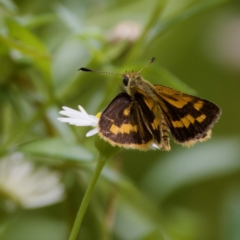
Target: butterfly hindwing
x=122 y=124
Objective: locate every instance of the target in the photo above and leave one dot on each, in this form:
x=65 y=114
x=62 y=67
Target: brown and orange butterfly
x=145 y=114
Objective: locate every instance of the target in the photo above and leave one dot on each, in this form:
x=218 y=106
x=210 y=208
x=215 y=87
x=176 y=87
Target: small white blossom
x=79 y=118
x=25 y=185
x=125 y=31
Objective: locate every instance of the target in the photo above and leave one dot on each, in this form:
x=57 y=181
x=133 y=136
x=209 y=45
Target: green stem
x=87 y=197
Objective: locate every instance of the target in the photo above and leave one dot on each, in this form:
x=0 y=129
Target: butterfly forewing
x=122 y=124
x=189 y=118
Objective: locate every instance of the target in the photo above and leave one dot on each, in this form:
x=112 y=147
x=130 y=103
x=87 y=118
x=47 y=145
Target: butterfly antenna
x=97 y=71
x=152 y=60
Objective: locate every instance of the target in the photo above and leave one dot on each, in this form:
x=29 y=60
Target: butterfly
x=145 y=115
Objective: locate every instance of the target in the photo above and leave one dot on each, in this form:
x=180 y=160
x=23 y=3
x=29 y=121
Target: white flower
x=28 y=186
x=125 y=30
x=81 y=118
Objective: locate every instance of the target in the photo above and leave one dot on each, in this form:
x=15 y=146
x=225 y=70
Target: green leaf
x=22 y=34
x=8 y=5
x=172 y=81
x=41 y=20
x=57 y=148
x=167 y=24
x=23 y=48
x=231 y=214
x=23 y=40
x=206 y=161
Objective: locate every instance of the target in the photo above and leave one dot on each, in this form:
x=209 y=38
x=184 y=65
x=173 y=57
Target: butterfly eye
x=125 y=80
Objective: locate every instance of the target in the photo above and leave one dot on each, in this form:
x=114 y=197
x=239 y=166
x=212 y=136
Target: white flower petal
x=71 y=112
x=77 y=121
x=82 y=110
x=154 y=146
x=94 y=118
x=78 y=118
x=92 y=132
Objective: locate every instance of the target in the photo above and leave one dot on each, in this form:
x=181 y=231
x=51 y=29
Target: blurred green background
x=184 y=194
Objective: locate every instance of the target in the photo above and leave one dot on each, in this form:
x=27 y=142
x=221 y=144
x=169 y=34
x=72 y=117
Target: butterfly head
x=130 y=78
x=132 y=81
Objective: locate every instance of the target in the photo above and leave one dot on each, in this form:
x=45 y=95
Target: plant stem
x=87 y=197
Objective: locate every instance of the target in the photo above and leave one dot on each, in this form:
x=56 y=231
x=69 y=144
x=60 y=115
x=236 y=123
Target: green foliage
x=186 y=194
